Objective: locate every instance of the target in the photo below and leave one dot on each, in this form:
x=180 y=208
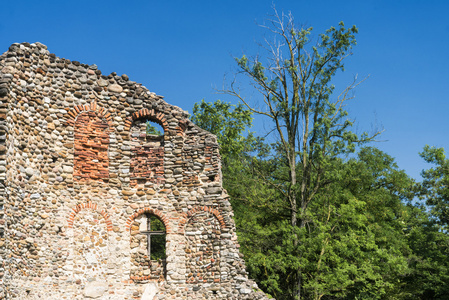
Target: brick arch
x=147 y=152
x=151 y=114
x=148 y=210
x=92 y=126
x=155 y=116
x=182 y=126
x=194 y=210
x=79 y=109
x=93 y=206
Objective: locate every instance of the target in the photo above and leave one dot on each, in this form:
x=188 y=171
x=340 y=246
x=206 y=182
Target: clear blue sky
x=182 y=49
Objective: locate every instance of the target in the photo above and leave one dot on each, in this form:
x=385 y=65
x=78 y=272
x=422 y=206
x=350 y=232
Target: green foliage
x=427 y=231
x=229 y=123
x=313 y=134
x=312 y=222
x=157 y=241
x=435 y=184
x=353 y=244
x=428 y=276
x=362 y=239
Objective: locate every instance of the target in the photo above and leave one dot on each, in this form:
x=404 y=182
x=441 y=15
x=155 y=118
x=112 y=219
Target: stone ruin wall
x=77 y=175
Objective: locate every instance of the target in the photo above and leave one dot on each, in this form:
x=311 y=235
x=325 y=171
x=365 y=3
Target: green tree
x=230 y=123
x=386 y=191
x=311 y=126
x=239 y=147
x=428 y=276
x=353 y=246
x=435 y=184
x=427 y=231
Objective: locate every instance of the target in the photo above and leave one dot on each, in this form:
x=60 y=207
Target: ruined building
x=95 y=203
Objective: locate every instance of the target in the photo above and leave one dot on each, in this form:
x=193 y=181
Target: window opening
x=155 y=232
x=147 y=152
x=154 y=129
x=148 y=244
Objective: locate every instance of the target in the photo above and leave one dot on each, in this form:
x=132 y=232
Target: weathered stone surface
x=115 y=88
x=94 y=205
x=95 y=289
x=150 y=291
x=8 y=70
x=101 y=82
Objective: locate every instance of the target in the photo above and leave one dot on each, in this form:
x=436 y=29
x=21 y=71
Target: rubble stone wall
x=79 y=177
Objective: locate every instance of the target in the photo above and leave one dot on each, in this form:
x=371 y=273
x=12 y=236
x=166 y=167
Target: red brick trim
x=155 y=212
x=79 y=109
x=92 y=206
x=182 y=127
x=194 y=210
x=142 y=278
x=161 y=216
x=151 y=114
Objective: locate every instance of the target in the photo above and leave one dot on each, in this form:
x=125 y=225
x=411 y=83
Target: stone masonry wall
x=93 y=207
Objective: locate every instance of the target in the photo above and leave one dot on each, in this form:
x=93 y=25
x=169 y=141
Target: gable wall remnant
x=77 y=174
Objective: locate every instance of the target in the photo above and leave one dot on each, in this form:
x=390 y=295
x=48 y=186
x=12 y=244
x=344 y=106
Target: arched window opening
x=148 y=247
x=147 y=157
x=153 y=129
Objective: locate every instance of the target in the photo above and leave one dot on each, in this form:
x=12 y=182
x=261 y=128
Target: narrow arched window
x=147 y=152
x=148 y=247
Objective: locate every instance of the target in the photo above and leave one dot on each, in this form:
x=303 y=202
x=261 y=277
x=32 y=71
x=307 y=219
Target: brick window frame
x=147 y=151
x=157 y=269
x=92 y=206
x=89 y=232
x=91 y=145
x=197 y=209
